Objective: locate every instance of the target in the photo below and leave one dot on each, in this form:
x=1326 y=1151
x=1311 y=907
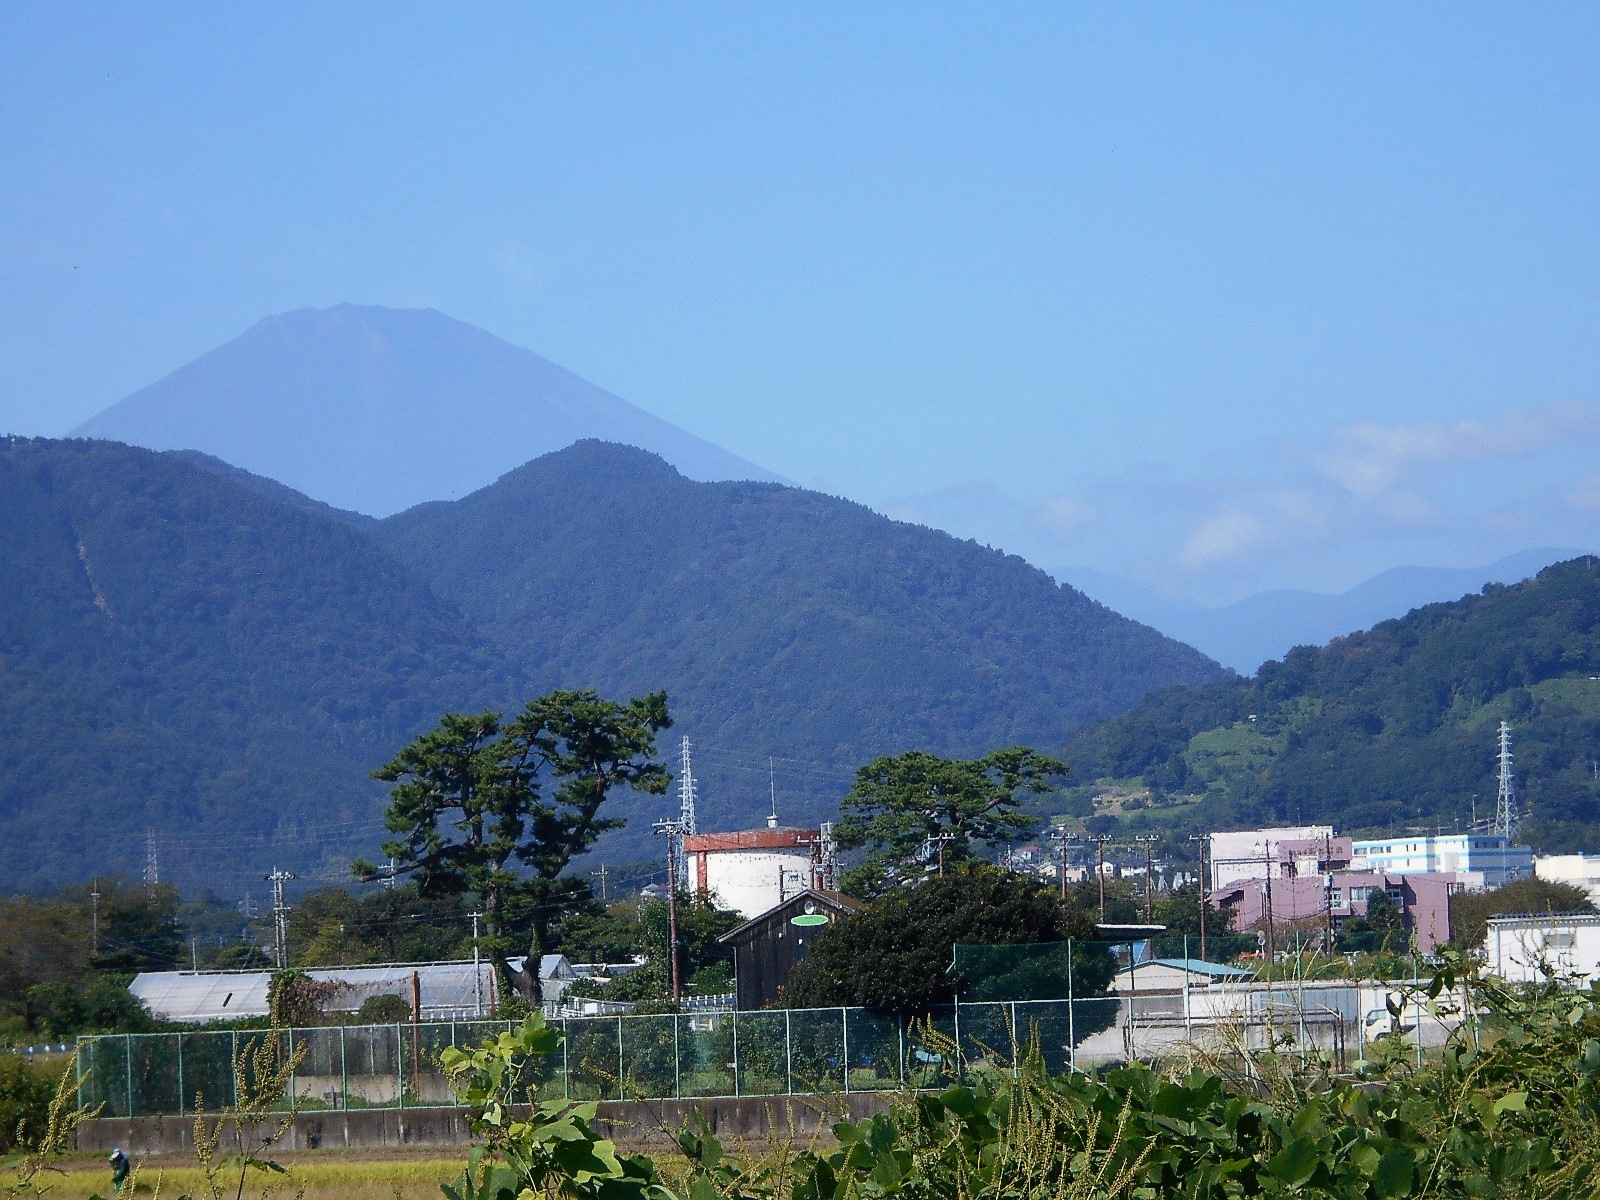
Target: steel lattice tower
x=686 y=827
x=1505 y=807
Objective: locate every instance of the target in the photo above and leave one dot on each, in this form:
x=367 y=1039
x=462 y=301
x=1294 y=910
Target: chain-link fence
x=767 y=1053
x=1137 y=1003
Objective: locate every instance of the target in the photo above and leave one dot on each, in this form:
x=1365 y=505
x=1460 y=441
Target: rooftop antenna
x=1505 y=806
x=772 y=787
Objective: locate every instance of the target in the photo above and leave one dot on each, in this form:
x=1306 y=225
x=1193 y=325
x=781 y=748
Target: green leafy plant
x=56 y=1136
x=541 y=1149
x=256 y=1121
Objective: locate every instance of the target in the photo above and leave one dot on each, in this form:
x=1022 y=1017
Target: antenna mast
x=1505 y=807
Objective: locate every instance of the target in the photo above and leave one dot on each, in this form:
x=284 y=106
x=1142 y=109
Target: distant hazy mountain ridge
x=376 y=409
x=1248 y=632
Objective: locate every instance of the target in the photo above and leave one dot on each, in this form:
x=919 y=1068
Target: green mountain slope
x=184 y=653
x=781 y=622
x=1390 y=728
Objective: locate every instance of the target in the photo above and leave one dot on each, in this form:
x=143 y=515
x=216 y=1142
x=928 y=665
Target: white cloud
x=1225 y=536
x=1368 y=459
x=1065 y=517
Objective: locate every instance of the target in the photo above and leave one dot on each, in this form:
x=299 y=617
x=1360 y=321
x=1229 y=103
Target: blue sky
x=1218 y=298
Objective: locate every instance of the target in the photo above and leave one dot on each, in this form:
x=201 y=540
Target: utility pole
x=1327 y=887
x=1148 y=840
x=673 y=832
x=1204 y=840
x=939 y=839
x=477 y=972
x=94 y=916
x=1266 y=897
x=1066 y=839
x=1100 y=840
x=601 y=875
x=280 y=916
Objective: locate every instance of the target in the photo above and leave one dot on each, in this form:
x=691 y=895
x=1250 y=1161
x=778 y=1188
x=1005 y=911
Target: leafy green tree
x=139 y=929
x=895 y=953
x=1381 y=929
x=241 y=956
x=917 y=805
x=472 y=814
x=1470 y=911
x=704 y=958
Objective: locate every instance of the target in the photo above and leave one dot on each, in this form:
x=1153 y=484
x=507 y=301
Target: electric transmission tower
x=686 y=797
x=152 y=865
x=1505 y=805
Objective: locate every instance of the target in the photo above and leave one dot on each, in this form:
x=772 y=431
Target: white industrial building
x=1254 y=853
x=752 y=871
x=1478 y=860
x=1577 y=870
x=1532 y=948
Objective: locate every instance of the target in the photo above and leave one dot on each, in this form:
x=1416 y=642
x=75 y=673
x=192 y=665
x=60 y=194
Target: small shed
x=1174 y=974
x=767 y=948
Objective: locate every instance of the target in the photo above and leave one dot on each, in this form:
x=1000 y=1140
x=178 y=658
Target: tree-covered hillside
x=190 y=649
x=1391 y=728
x=781 y=622
x=183 y=653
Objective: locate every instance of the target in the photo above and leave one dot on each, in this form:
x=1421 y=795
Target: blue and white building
x=1478 y=860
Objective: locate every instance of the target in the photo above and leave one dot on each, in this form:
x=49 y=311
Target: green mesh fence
x=1013 y=1000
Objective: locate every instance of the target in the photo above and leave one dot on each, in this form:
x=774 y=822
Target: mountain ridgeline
x=1391 y=729
x=782 y=622
x=191 y=651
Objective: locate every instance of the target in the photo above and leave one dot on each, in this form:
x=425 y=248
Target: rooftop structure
x=752 y=871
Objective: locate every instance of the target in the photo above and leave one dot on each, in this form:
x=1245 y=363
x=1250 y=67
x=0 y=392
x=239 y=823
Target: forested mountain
x=190 y=649
x=376 y=409
x=1393 y=728
x=781 y=622
x=183 y=653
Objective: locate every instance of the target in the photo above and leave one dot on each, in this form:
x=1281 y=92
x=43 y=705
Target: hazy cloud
x=1065 y=517
x=1224 y=536
x=1368 y=459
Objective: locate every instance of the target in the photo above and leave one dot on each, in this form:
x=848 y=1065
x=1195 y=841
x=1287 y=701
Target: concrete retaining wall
x=638 y=1123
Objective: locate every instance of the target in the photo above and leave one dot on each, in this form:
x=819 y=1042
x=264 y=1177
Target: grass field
x=330 y=1178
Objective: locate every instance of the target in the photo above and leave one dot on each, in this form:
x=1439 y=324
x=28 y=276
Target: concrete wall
x=633 y=1123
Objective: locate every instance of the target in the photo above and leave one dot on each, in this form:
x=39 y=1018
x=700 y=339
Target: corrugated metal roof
x=448 y=990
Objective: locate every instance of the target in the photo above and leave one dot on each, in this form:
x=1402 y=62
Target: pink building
x=1423 y=901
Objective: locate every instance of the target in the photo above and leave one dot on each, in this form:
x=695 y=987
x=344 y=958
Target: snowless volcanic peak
x=378 y=409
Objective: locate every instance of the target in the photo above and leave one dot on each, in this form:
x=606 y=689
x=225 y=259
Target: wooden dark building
x=766 y=948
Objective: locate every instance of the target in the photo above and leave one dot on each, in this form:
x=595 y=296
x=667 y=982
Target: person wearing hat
x=120 y=1166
